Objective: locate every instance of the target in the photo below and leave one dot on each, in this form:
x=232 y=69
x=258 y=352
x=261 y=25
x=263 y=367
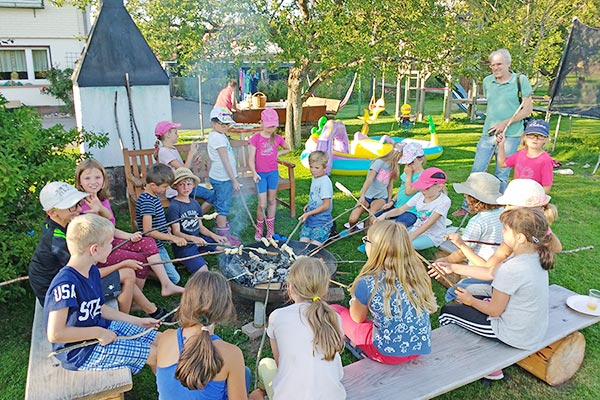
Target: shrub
x=61 y=87
x=30 y=156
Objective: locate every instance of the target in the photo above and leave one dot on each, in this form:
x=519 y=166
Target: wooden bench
x=459 y=357
x=137 y=162
x=48 y=380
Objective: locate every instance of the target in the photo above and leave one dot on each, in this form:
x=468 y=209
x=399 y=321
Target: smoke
x=238 y=217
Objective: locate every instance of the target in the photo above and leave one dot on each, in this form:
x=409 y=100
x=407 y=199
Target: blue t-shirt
x=402 y=197
x=178 y=209
x=320 y=188
x=147 y=204
x=404 y=333
x=84 y=299
x=171 y=388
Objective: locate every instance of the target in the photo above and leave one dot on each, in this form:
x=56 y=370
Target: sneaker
x=344 y=233
x=161 y=312
x=461 y=212
x=495 y=376
x=359 y=225
x=362 y=248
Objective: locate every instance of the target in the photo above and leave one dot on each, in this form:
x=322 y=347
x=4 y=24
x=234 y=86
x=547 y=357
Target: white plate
x=579 y=303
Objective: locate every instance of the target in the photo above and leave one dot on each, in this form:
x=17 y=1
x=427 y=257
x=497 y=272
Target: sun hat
x=430 y=177
x=222 y=114
x=60 y=195
x=269 y=118
x=482 y=186
x=184 y=173
x=165 y=126
x=411 y=151
x=524 y=193
x=538 y=127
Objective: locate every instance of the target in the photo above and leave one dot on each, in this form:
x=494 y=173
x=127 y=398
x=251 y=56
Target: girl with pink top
x=263 y=152
x=90 y=177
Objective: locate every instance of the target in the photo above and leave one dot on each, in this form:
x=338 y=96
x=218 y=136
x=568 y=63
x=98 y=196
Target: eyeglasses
x=365 y=240
x=74 y=208
x=535 y=136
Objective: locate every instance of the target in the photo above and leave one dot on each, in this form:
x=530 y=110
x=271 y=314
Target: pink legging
x=361 y=334
x=139 y=251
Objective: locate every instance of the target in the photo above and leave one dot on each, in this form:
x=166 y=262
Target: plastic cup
x=593 y=300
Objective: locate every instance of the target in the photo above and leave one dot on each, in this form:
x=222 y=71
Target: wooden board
x=48 y=380
x=458 y=357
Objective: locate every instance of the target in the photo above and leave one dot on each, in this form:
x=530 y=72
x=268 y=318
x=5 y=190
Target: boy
x=223 y=169
x=75 y=309
x=62 y=203
x=190 y=229
x=149 y=214
x=317 y=213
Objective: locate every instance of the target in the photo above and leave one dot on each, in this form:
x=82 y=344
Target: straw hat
x=482 y=186
x=184 y=173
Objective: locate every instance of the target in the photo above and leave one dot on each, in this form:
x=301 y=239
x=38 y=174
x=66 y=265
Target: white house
x=34 y=35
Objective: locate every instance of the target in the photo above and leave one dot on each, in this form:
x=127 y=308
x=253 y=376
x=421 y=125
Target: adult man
x=228 y=97
x=501 y=90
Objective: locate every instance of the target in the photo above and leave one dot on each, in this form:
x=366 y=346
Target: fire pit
x=246 y=272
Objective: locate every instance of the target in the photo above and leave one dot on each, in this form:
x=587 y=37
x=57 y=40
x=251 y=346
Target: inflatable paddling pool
x=354 y=158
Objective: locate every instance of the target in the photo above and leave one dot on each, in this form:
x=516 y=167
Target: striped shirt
x=484 y=227
x=148 y=204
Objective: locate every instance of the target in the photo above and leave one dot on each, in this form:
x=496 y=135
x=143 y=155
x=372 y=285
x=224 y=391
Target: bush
x=61 y=87
x=30 y=156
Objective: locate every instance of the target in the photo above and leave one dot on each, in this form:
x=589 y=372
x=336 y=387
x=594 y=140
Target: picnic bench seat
x=48 y=380
x=459 y=357
x=332 y=106
x=137 y=162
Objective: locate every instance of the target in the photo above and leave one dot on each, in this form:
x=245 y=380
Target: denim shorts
x=268 y=181
x=200 y=192
x=369 y=200
x=317 y=233
x=223 y=196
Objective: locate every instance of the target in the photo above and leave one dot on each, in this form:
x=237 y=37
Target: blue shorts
x=369 y=200
x=196 y=263
x=223 y=196
x=200 y=192
x=268 y=181
x=317 y=233
x=131 y=353
x=169 y=267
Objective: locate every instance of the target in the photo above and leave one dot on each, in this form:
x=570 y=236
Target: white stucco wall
x=94 y=111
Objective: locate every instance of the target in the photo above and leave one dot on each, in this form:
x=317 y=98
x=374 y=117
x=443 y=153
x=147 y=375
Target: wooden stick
x=208 y=253
x=151 y=230
x=347 y=192
x=340 y=284
x=439 y=271
x=15 y=280
x=248 y=210
x=293 y=231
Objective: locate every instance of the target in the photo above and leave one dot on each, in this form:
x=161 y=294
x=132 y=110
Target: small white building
x=35 y=35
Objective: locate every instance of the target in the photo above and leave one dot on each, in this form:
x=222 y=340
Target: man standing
x=228 y=97
x=501 y=90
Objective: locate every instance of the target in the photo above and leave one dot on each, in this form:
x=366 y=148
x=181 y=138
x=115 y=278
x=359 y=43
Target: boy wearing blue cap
x=531 y=162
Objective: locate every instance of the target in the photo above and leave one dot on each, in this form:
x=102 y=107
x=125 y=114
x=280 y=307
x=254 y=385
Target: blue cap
x=539 y=127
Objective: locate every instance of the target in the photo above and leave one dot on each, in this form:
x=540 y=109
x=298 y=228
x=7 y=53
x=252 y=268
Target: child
x=193 y=362
x=263 y=155
x=75 y=310
x=317 y=213
x=192 y=230
x=517 y=313
x=483 y=233
x=306 y=339
x=377 y=189
x=150 y=214
x=91 y=178
x=394 y=287
x=532 y=161
x=223 y=169
x=167 y=135
x=428 y=224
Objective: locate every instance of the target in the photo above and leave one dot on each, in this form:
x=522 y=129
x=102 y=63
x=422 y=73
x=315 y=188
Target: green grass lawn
x=576 y=196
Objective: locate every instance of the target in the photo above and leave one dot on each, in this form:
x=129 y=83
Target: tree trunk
x=293 y=123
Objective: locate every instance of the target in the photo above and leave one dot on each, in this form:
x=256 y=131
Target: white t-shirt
x=300 y=374
x=441 y=205
x=485 y=227
x=217 y=171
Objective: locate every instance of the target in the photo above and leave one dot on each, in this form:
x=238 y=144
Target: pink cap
x=269 y=118
x=165 y=126
x=430 y=177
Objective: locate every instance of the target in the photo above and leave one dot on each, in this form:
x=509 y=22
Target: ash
x=253 y=268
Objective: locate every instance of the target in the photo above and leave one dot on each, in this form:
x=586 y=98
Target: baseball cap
x=165 y=126
x=539 y=127
x=411 y=151
x=524 y=193
x=269 y=118
x=483 y=186
x=184 y=173
x=430 y=177
x=222 y=114
x=60 y=195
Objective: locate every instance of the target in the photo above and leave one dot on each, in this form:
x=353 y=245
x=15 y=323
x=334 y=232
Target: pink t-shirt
x=105 y=203
x=539 y=168
x=224 y=98
x=266 y=153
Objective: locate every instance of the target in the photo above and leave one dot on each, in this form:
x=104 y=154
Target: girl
x=165 y=152
x=428 y=224
x=193 y=362
x=394 y=287
x=517 y=313
x=377 y=189
x=306 y=339
x=532 y=161
x=263 y=155
x=90 y=177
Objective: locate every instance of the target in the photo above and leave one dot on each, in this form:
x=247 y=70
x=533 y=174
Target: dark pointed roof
x=116 y=46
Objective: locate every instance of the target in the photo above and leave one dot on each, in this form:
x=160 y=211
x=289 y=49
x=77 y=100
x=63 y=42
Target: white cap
x=222 y=114
x=524 y=193
x=60 y=195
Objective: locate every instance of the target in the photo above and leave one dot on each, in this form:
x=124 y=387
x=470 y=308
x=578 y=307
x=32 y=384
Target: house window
x=24 y=64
